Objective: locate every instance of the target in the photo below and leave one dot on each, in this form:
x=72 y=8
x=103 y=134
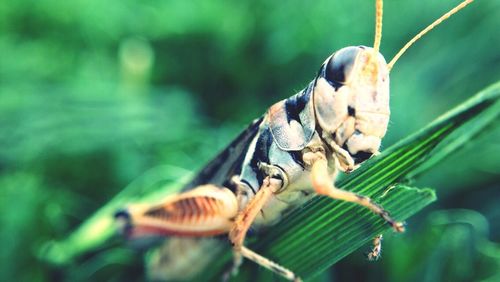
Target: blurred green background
x=95 y=93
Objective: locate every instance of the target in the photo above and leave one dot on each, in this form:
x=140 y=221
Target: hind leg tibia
x=243 y=222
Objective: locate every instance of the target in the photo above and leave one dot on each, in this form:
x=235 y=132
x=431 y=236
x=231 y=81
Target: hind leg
x=244 y=221
x=204 y=211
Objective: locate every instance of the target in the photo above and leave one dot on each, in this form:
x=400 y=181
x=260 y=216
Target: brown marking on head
x=369 y=66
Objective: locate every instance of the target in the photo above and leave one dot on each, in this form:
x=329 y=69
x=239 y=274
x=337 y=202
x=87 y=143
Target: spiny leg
x=376 y=250
x=269 y=264
x=244 y=221
x=322 y=183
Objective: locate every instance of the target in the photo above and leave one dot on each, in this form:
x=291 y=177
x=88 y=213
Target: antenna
x=379 y=7
x=427 y=29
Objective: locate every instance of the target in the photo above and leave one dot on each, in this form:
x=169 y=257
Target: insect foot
x=399 y=227
x=376 y=251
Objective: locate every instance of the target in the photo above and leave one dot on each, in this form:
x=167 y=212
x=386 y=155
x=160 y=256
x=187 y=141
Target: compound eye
x=340 y=65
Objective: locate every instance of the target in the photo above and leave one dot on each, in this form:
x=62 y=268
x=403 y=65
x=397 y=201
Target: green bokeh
x=95 y=93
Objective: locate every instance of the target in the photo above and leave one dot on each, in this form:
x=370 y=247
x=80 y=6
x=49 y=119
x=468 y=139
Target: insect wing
x=228 y=162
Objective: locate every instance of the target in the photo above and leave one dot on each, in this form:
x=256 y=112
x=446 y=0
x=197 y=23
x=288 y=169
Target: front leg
x=343 y=159
x=322 y=183
x=243 y=222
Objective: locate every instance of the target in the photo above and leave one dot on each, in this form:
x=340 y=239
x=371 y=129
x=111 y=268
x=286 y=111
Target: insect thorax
x=346 y=111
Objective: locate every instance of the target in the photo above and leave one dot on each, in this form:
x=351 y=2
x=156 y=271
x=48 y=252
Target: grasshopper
x=294 y=151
